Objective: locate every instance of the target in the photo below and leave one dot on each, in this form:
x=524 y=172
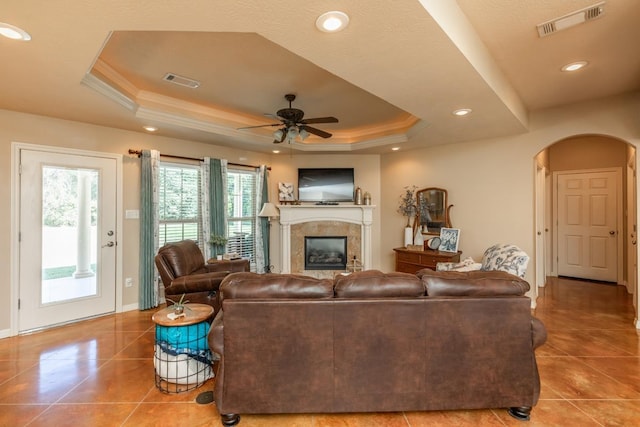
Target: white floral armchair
x=501 y=257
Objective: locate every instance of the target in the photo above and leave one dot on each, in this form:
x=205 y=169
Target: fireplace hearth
x=325 y=252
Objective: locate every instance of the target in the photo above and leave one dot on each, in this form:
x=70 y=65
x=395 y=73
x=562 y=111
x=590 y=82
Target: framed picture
x=285 y=192
x=449 y=238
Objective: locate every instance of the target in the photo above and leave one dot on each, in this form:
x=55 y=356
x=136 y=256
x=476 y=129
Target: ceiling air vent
x=182 y=81
x=570 y=20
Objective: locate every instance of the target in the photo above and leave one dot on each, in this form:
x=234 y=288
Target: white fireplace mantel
x=297 y=214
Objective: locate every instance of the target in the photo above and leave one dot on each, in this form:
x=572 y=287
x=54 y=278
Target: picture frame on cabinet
x=449 y=238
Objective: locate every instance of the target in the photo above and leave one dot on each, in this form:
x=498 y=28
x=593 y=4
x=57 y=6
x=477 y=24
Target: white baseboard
x=5 y=333
x=129 y=307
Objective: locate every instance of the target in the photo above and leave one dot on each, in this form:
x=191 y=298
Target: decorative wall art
x=285 y=192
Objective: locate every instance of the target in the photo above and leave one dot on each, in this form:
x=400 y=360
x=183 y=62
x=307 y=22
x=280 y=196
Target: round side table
x=182 y=358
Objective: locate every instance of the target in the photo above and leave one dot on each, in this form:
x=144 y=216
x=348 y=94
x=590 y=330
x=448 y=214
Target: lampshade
x=304 y=134
x=277 y=135
x=292 y=134
x=269 y=210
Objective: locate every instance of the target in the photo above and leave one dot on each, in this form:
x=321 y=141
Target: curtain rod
x=139 y=153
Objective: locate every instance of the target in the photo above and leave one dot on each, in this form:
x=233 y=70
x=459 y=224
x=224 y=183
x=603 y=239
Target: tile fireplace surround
x=361 y=215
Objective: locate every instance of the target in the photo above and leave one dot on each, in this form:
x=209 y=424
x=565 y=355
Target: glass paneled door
x=67 y=237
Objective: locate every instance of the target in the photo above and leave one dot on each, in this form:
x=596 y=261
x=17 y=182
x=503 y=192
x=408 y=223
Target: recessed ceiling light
x=332 y=22
x=462 y=111
x=13 y=32
x=150 y=128
x=275 y=151
x=395 y=148
x=574 y=66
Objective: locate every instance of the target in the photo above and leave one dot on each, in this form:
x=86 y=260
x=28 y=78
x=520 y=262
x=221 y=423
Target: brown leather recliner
x=183 y=271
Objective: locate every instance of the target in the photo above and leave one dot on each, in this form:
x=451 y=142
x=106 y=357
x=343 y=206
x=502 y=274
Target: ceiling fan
x=293 y=124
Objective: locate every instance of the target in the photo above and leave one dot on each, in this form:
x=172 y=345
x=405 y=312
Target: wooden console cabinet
x=411 y=261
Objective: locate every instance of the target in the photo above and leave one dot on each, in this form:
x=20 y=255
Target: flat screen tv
x=325 y=185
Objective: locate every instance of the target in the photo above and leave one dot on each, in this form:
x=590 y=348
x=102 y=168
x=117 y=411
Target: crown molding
x=161 y=109
x=109 y=92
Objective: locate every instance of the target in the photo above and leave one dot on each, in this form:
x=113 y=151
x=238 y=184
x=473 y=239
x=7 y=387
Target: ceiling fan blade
x=319 y=120
x=260 y=126
x=315 y=131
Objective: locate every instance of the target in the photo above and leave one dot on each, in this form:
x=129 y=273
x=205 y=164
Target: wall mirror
x=433 y=210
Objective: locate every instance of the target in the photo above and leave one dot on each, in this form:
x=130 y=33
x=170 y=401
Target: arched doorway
x=577 y=155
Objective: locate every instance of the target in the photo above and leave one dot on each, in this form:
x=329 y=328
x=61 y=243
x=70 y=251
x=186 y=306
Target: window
x=241 y=213
x=179 y=203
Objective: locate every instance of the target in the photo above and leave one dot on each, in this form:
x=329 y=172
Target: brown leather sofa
x=183 y=271
x=375 y=342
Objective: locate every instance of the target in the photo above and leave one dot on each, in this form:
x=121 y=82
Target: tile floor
x=100 y=373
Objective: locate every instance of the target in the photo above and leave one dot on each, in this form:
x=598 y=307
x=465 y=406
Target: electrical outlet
x=128 y=282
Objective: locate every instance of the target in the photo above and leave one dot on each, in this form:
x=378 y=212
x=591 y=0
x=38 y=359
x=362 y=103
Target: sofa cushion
x=270 y=285
x=467 y=264
x=472 y=283
x=374 y=284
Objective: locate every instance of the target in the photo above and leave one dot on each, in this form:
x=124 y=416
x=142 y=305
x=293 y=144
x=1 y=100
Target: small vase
x=419 y=238
x=178 y=309
x=408 y=236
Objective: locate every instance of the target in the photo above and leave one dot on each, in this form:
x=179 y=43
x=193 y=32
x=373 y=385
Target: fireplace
x=325 y=252
x=298 y=221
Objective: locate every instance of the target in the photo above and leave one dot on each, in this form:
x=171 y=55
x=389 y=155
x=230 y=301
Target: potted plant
x=407 y=205
x=217 y=242
x=179 y=306
x=408 y=208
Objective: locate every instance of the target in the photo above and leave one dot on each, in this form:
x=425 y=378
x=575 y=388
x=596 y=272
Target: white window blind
x=241 y=213
x=179 y=203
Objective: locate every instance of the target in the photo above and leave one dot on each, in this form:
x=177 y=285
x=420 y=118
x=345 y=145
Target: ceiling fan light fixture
x=292 y=133
x=303 y=134
x=332 y=22
x=14 y=33
x=277 y=135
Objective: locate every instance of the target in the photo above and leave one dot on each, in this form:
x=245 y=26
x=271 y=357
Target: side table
x=182 y=358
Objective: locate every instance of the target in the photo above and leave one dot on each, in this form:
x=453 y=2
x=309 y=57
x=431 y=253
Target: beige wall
x=587 y=152
x=366 y=175
x=25 y=128
x=490 y=182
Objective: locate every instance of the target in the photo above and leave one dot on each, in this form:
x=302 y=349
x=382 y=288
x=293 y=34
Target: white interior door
x=632 y=233
x=67 y=253
x=588 y=225
x=540 y=228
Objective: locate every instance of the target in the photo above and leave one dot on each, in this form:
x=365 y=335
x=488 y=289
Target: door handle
x=109 y=244
x=612 y=232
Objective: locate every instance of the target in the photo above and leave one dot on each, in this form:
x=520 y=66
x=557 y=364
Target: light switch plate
x=132 y=214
